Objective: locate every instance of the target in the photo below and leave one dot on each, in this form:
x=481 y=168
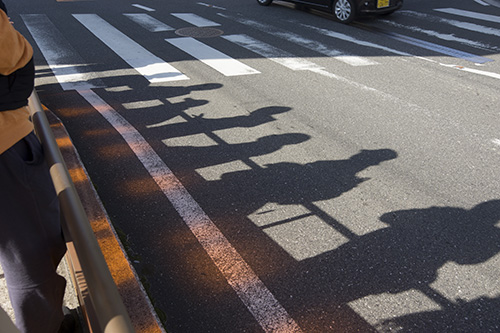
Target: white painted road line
x=61 y=57
x=475 y=71
x=351 y=39
x=149 y=23
x=459 y=24
x=211 y=57
x=195 y=20
x=269 y=313
x=272 y=53
x=307 y=43
x=211 y=6
x=292 y=62
x=150 y=66
x=438 y=48
x=443 y=36
x=143 y=7
x=466 y=13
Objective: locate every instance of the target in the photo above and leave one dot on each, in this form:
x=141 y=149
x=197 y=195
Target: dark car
x=346 y=10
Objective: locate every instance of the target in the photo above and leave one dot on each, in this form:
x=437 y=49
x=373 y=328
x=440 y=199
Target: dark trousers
x=31 y=241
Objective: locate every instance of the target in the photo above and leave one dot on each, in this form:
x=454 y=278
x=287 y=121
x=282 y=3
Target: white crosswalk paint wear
x=459 y=24
x=195 y=20
x=268 y=312
x=469 y=14
x=304 y=42
x=143 y=7
x=148 y=22
x=70 y=69
x=211 y=57
x=272 y=53
x=150 y=66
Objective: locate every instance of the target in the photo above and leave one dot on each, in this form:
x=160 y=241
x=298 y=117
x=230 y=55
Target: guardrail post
x=110 y=311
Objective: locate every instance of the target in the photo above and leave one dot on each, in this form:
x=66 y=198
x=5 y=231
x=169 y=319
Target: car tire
x=344 y=10
x=264 y=2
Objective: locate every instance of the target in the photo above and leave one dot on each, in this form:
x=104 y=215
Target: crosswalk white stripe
x=148 y=22
x=272 y=53
x=210 y=5
x=348 y=38
x=459 y=24
x=261 y=303
x=66 y=64
x=143 y=7
x=482 y=3
x=307 y=43
x=150 y=66
x=212 y=57
x=438 y=48
x=195 y=20
x=469 y=14
x=446 y=37
x=286 y=59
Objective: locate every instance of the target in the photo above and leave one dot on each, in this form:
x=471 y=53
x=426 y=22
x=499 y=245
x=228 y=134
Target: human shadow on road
x=200 y=157
x=404 y=256
x=294 y=183
x=200 y=124
x=479 y=315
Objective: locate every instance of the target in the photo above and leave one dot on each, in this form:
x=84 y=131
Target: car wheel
x=264 y=2
x=344 y=10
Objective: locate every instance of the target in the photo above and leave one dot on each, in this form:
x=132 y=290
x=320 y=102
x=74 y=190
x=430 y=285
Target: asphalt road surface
x=272 y=170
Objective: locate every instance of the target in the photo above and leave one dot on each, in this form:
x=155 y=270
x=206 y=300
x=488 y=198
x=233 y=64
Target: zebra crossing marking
x=148 y=22
x=272 y=53
x=446 y=37
x=195 y=20
x=469 y=14
x=212 y=57
x=459 y=24
x=66 y=64
x=143 y=7
x=307 y=43
x=150 y=66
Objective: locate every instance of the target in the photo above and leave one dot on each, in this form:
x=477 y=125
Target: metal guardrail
x=110 y=311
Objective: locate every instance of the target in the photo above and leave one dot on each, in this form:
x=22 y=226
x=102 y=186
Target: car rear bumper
x=369 y=7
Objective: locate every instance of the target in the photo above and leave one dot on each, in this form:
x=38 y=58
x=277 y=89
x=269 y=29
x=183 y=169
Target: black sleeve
x=17 y=87
x=2 y=7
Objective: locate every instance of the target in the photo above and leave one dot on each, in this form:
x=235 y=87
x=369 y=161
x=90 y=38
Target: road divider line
x=265 y=308
x=150 y=66
x=474 y=71
x=212 y=57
